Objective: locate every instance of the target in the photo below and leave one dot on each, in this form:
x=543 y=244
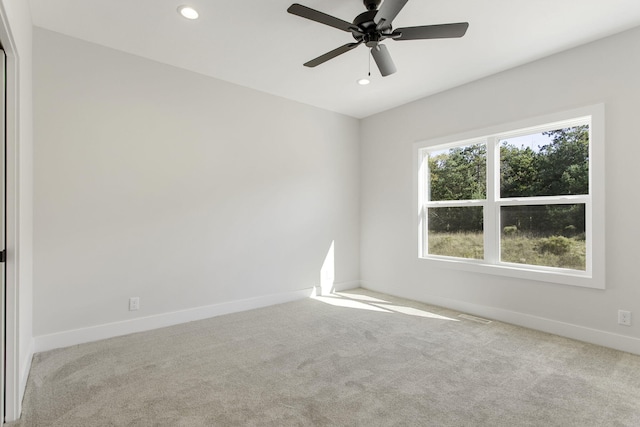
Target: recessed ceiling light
x=364 y=81
x=188 y=12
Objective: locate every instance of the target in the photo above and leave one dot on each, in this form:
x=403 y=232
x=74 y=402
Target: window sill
x=558 y=276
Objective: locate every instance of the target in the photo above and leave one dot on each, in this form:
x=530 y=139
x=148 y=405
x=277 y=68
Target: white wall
x=184 y=190
x=17 y=41
x=605 y=71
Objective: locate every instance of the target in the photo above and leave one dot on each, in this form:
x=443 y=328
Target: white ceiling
x=257 y=44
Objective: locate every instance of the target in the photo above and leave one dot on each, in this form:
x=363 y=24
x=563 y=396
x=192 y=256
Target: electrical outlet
x=134 y=303
x=624 y=317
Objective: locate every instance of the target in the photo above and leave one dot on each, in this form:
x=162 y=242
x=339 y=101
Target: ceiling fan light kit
x=374 y=26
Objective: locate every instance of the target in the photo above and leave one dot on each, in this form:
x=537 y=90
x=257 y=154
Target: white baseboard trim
x=568 y=330
x=125 y=327
x=336 y=287
x=24 y=374
x=345 y=286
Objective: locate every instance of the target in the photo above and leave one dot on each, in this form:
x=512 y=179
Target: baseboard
x=345 y=286
x=568 y=330
x=110 y=330
x=24 y=373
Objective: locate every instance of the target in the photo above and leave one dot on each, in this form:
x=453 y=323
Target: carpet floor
x=355 y=358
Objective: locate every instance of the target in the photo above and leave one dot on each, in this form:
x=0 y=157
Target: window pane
x=458 y=173
x=548 y=235
x=545 y=164
x=456 y=232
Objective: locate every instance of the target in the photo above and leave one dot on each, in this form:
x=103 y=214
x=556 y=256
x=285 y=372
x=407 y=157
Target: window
x=524 y=199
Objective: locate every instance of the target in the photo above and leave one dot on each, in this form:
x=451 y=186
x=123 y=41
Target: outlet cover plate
x=624 y=317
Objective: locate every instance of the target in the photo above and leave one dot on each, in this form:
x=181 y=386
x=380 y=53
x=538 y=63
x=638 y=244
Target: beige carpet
x=354 y=359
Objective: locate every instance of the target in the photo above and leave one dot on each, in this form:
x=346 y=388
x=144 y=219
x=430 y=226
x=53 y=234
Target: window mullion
x=545 y=200
x=491 y=227
x=454 y=203
x=423 y=198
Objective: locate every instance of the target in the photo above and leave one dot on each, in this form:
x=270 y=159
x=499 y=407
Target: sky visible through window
x=534 y=141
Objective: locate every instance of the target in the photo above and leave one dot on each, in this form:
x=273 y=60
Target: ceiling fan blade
x=330 y=55
x=387 y=12
x=383 y=60
x=443 y=31
x=323 y=18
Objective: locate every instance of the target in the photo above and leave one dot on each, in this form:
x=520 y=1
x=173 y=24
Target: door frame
x=12 y=375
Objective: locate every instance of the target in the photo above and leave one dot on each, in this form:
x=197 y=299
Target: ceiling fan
x=374 y=26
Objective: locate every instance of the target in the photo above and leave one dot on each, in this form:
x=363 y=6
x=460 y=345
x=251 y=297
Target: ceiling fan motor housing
x=369 y=33
x=371 y=4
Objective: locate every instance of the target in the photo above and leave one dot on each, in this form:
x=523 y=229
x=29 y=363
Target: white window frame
x=594 y=275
